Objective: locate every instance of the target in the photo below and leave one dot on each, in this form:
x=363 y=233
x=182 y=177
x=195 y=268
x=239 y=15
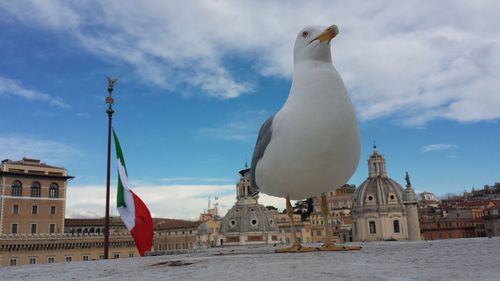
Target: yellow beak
x=327 y=35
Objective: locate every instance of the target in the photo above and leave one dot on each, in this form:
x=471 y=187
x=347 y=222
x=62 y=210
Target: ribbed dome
x=247 y=216
x=378 y=191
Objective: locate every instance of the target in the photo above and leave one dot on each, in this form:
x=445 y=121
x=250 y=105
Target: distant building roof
x=159 y=223
x=30 y=168
x=165 y=224
x=86 y=222
x=29 y=162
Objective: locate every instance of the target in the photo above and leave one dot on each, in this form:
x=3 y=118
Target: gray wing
x=262 y=141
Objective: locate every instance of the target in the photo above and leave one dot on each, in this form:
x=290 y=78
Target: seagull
x=312 y=142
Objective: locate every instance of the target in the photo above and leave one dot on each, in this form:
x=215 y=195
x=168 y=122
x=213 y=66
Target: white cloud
x=193 y=179
x=438 y=147
x=169 y=201
x=15 y=147
x=10 y=87
x=83 y=115
x=243 y=126
x=406 y=60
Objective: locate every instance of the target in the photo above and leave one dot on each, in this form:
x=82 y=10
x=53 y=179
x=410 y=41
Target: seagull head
x=313 y=43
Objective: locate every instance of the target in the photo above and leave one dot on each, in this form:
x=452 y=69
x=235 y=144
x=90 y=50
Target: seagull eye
x=305 y=34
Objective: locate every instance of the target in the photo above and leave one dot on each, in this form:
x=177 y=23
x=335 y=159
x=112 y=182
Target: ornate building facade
x=381 y=209
x=33 y=196
x=33 y=228
x=339 y=203
x=174 y=235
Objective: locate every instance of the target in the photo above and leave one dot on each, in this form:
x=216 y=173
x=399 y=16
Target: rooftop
x=453 y=259
x=29 y=162
x=159 y=223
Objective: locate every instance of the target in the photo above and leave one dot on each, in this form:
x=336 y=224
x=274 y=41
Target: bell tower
x=243 y=186
x=376 y=165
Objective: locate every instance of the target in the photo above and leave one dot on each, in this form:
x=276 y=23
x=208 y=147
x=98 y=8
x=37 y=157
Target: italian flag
x=133 y=212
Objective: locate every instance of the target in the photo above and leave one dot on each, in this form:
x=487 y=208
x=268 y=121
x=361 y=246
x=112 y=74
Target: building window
x=68 y=259
x=52 y=228
x=32 y=260
x=395 y=223
x=373 y=230
x=15 y=209
x=131 y=255
x=51 y=260
x=17 y=188
x=13 y=262
x=33 y=228
x=85 y=258
x=13 y=228
x=34 y=209
x=116 y=256
x=52 y=210
x=36 y=189
x=54 y=190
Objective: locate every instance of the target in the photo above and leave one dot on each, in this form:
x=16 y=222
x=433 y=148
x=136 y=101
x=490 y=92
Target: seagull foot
x=333 y=247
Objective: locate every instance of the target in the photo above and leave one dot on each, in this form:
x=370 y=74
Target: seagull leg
x=296 y=246
x=328 y=245
x=289 y=211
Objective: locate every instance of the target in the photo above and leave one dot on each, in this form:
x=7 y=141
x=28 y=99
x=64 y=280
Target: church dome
x=204 y=229
x=378 y=189
x=381 y=209
x=378 y=192
x=247 y=215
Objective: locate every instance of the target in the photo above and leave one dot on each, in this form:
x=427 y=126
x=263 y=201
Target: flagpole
x=109 y=111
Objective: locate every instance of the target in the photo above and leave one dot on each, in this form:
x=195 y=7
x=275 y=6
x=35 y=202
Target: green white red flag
x=133 y=212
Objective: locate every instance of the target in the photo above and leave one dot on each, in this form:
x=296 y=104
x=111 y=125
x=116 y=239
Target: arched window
x=17 y=188
x=36 y=189
x=53 y=190
x=373 y=230
x=395 y=224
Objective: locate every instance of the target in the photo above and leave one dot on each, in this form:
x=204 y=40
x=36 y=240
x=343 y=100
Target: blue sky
x=196 y=81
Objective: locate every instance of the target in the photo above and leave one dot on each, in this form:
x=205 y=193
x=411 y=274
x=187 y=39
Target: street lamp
x=109 y=111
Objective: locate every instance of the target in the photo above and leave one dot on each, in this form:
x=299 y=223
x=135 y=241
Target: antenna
x=216 y=205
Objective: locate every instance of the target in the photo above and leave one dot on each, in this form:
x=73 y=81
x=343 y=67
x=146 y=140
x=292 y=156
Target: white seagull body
x=311 y=145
